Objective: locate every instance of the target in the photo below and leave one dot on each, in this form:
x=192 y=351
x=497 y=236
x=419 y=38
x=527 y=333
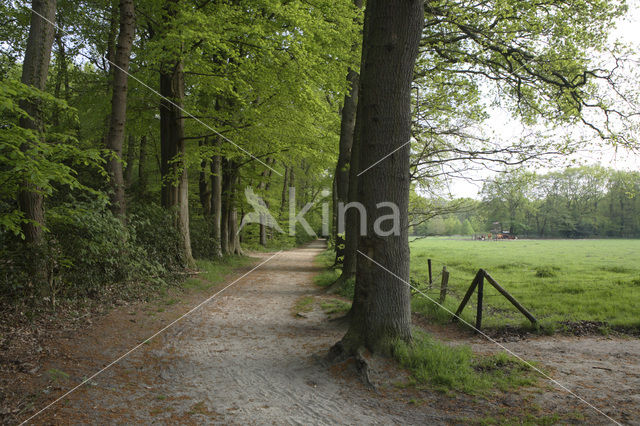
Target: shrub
x=89 y=248
x=203 y=244
x=152 y=228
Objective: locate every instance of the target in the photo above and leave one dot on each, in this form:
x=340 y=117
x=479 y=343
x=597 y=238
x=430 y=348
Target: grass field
x=556 y=280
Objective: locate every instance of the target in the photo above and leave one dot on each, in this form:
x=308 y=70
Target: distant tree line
x=578 y=202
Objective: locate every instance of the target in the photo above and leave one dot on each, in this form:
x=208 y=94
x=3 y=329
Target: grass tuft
x=546 y=271
x=455 y=368
x=335 y=306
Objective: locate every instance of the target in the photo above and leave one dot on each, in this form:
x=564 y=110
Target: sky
x=502 y=124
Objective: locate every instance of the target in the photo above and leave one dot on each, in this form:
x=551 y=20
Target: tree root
x=339 y=354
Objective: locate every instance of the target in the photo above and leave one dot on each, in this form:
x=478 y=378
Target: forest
x=127 y=156
x=148 y=145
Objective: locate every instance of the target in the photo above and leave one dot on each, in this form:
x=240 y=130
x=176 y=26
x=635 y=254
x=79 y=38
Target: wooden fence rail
x=478 y=282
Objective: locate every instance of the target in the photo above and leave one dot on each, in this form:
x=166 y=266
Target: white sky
x=502 y=124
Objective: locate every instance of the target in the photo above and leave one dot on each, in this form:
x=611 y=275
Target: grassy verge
x=329 y=276
x=559 y=281
x=213 y=272
x=448 y=368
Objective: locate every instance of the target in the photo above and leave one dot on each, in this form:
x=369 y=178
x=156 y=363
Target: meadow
x=556 y=280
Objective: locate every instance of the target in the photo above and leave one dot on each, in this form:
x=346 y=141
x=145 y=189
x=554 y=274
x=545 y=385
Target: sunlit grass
x=456 y=368
x=556 y=280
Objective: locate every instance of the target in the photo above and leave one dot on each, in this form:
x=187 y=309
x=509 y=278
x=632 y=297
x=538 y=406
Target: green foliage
x=26 y=158
x=579 y=202
x=203 y=243
x=455 y=368
x=153 y=229
x=88 y=250
x=95 y=248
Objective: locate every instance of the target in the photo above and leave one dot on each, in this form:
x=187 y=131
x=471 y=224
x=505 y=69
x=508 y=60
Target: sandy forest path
x=243 y=358
x=246 y=358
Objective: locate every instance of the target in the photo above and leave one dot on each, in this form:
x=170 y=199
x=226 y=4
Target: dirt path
x=244 y=358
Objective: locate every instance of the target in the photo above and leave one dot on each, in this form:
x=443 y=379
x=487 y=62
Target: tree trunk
x=216 y=197
x=234 y=236
x=264 y=187
x=381 y=312
x=226 y=206
x=175 y=184
x=62 y=74
x=203 y=183
x=142 y=173
x=285 y=190
x=131 y=153
x=347 y=129
x=34 y=73
x=118 y=118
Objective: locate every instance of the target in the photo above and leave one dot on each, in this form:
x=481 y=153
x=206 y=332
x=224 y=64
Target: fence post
x=480 y=296
x=444 y=284
x=467 y=296
x=510 y=298
x=430 y=275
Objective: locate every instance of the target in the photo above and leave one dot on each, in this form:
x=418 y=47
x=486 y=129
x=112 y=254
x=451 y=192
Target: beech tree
x=118 y=117
x=381 y=311
x=34 y=73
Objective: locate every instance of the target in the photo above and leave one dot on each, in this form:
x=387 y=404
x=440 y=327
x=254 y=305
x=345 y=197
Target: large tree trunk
x=175 y=184
x=381 y=313
x=34 y=73
x=118 y=118
x=216 y=197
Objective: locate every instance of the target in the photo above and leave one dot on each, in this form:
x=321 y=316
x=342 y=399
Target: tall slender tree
x=347 y=129
x=34 y=73
x=118 y=117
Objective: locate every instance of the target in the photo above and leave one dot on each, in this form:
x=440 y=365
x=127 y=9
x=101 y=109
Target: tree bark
x=62 y=74
x=34 y=73
x=131 y=153
x=347 y=129
x=203 y=183
x=216 y=197
x=118 y=117
x=175 y=183
x=264 y=187
x=381 y=313
x=285 y=190
x=227 y=180
x=142 y=172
